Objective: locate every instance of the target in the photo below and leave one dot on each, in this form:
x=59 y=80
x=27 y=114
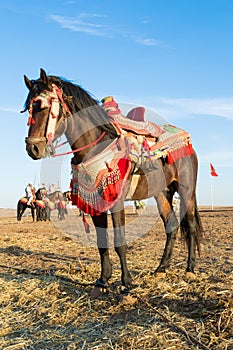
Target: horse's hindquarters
x=149 y=185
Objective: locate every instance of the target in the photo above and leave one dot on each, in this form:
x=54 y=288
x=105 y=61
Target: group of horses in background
x=43 y=204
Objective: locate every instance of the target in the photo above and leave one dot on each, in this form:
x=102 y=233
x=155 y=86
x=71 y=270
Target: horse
x=40 y=203
x=56 y=200
x=57 y=106
x=38 y=207
x=22 y=206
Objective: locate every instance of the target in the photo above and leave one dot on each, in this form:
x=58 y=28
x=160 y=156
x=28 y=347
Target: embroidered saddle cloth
x=38 y=202
x=50 y=204
x=99 y=182
x=24 y=200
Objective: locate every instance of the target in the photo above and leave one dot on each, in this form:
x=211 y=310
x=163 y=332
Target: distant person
x=30 y=193
x=53 y=188
x=43 y=191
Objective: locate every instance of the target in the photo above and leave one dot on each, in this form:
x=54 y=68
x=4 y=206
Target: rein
x=81 y=148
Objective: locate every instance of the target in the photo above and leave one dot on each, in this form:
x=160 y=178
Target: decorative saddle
x=134 y=122
x=147 y=140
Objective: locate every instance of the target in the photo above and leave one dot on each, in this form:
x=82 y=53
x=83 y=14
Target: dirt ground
x=47 y=272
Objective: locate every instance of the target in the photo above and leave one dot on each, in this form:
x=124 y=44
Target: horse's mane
x=78 y=99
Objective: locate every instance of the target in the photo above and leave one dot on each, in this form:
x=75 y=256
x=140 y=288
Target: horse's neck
x=83 y=135
x=38 y=195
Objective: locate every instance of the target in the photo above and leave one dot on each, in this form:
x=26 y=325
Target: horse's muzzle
x=36 y=147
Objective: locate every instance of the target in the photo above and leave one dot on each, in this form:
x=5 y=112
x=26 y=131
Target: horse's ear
x=43 y=77
x=28 y=82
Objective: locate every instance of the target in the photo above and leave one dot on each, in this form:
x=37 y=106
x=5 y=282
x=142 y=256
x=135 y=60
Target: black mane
x=80 y=97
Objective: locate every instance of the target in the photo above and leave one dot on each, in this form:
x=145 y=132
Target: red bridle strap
x=81 y=148
x=30 y=121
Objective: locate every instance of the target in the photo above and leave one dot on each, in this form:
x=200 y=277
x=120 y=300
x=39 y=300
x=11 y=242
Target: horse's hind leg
x=191 y=231
x=164 y=202
x=100 y=223
x=191 y=227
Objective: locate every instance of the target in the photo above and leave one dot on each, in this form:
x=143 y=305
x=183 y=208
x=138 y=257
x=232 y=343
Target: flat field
x=47 y=270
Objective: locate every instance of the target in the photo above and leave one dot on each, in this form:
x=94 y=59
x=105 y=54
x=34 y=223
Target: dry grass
x=46 y=278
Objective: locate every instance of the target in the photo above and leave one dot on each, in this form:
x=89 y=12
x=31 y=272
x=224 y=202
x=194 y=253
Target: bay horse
x=41 y=209
x=56 y=200
x=57 y=107
x=22 y=206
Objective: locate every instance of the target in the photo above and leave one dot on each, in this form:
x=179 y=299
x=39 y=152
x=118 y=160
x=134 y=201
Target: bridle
x=53 y=100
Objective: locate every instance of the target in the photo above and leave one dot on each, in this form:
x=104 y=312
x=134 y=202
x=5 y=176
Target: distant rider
x=30 y=192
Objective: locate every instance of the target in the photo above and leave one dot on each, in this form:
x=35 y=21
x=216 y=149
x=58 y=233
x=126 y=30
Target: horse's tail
x=198 y=228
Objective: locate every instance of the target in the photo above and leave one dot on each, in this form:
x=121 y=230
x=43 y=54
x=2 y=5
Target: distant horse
x=22 y=206
x=56 y=200
x=93 y=133
x=41 y=207
x=38 y=208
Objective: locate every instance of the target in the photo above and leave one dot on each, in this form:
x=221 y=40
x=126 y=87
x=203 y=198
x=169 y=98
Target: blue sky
x=174 y=57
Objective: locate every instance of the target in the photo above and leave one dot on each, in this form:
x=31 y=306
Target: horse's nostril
x=34 y=151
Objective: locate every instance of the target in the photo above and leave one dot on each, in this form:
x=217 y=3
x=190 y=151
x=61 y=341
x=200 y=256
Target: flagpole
x=211 y=193
x=212 y=173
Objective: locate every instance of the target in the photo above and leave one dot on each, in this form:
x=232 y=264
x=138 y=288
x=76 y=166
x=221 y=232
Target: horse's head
x=47 y=110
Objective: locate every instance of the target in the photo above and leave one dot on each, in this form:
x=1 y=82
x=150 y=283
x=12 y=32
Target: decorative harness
x=53 y=99
x=48 y=99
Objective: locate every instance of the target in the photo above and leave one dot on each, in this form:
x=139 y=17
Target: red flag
x=212 y=170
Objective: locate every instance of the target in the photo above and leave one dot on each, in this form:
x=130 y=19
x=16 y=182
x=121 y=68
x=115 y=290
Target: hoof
x=160 y=275
x=97 y=292
x=127 y=299
x=190 y=276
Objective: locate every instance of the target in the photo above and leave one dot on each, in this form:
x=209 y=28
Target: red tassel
x=146 y=147
x=86 y=225
x=30 y=121
x=185 y=151
x=108 y=167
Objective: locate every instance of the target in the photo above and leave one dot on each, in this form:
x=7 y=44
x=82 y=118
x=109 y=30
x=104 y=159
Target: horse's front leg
x=33 y=211
x=118 y=218
x=101 y=223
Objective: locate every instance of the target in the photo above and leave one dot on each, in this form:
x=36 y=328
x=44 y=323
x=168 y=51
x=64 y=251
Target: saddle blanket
x=51 y=205
x=99 y=182
x=38 y=202
x=24 y=200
